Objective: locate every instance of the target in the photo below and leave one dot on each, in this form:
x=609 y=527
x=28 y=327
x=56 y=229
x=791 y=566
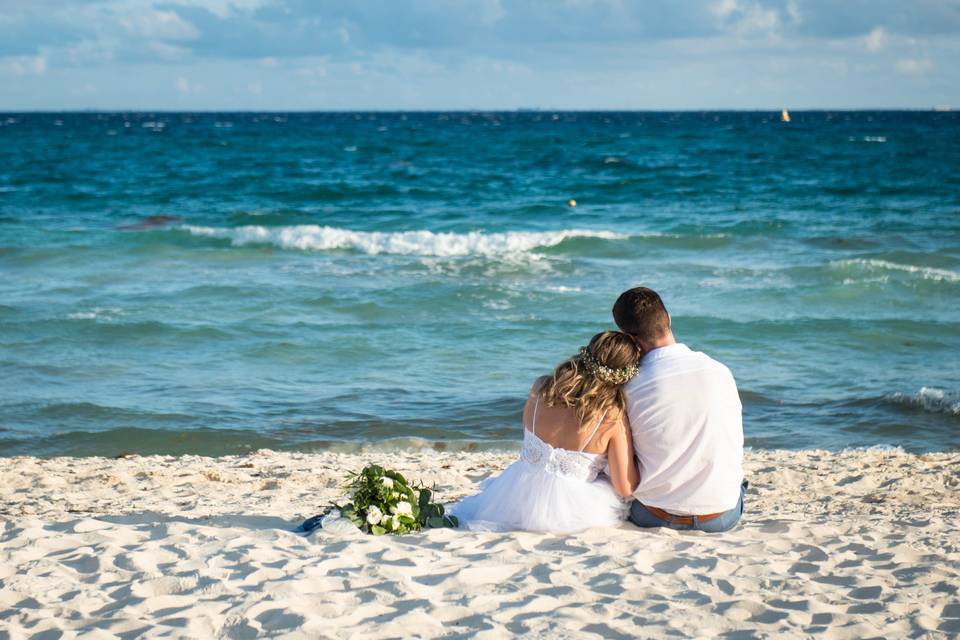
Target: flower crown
x=602 y=373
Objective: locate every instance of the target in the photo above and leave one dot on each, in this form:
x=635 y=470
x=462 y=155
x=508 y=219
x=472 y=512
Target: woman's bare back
x=561 y=428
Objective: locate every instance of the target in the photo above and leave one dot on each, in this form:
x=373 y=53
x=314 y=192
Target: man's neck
x=665 y=341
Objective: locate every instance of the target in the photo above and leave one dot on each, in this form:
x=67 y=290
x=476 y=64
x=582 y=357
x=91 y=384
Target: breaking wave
x=309 y=237
x=929 y=273
x=931 y=399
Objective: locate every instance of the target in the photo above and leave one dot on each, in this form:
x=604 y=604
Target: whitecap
x=420 y=243
x=932 y=399
x=929 y=273
x=859 y=281
x=98 y=312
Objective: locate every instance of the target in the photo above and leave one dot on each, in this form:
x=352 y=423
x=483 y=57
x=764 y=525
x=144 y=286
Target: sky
x=478 y=54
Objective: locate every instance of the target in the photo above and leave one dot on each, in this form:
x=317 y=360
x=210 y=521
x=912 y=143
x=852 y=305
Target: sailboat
x=784 y=116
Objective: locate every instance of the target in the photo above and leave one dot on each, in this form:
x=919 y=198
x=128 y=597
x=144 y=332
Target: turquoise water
x=210 y=283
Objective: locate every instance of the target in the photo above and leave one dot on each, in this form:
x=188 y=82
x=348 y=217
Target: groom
x=685 y=414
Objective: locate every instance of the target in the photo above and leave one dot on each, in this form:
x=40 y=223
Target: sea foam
x=422 y=243
x=929 y=273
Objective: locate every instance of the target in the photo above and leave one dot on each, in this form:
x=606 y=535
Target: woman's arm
x=624 y=474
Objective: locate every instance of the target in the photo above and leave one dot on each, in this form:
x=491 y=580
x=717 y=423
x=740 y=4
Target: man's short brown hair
x=641 y=313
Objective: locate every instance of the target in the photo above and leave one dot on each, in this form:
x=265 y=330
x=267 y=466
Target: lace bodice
x=575 y=464
x=564 y=462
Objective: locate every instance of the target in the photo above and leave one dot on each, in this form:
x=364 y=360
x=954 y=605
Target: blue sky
x=478 y=54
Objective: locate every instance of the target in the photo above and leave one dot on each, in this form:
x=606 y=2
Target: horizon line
x=935 y=108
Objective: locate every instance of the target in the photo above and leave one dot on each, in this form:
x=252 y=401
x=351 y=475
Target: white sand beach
x=855 y=544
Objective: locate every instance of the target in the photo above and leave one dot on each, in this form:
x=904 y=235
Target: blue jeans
x=728 y=520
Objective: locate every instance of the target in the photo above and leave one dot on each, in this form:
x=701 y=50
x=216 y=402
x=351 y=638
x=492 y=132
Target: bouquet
x=382 y=501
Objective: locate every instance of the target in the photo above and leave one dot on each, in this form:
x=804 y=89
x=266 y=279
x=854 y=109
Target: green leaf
x=396 y=476
x=424 y=499
x=377 y=530
x=435 y=523
x=451 y=521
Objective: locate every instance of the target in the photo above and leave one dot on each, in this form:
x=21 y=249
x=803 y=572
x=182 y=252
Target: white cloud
x=88 y=52
x=723 y=8
x=186 y=87
x=311 y=72
x=24 y=65
x=914 y=66
x=746 y=17
x=758 y=20
x=159 y=25
x=876 y=39
x=482 y=64
x=793 y=11
x=491 y=11
x=226 y=8
x=86 y=89
x=168 y=52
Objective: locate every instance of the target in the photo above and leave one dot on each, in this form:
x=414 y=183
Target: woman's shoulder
x=614 y=423
x=539 y=384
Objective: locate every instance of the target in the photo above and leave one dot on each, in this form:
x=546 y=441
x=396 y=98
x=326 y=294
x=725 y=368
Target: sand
x=845 y=545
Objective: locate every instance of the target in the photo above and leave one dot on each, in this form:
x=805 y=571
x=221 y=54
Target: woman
x=575 y=425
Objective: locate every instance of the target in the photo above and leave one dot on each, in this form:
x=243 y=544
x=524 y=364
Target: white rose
x=374 y=515
x=394 y=522
x=387 y=482
x=404 y=508
x=387 y=523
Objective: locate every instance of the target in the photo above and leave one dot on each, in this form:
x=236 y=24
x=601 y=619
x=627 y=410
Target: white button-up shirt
x=687 y=424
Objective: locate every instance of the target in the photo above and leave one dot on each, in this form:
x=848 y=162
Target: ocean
x=215 y=283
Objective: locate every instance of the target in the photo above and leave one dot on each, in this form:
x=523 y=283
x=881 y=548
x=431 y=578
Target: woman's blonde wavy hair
x=572 y=385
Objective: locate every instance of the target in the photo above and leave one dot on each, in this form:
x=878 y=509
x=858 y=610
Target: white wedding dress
x=548 y=489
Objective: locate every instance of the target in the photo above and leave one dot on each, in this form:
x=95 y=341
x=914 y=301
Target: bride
x=575 y=427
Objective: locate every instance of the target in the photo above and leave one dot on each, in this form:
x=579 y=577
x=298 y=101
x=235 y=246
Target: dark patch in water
x=150 y=222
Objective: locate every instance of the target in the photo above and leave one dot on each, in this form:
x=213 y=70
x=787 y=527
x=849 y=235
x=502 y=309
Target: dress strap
x=595 y=429
x=535 y=405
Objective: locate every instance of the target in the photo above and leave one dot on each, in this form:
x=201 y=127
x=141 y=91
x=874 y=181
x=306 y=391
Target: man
x=686 y=418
